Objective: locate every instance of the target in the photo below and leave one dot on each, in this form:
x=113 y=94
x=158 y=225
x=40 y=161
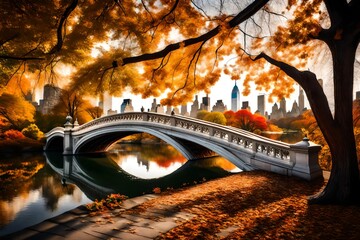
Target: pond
x=51 y=183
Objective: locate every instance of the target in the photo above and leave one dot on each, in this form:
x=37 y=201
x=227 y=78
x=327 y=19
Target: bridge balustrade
x=292 y=159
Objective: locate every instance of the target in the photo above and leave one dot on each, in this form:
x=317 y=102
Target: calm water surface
x=36 y=187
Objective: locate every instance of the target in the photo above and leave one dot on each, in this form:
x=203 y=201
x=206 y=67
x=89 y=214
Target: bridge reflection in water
x=98 y=175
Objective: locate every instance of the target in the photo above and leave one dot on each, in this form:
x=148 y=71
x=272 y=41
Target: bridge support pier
x=68 y=143
x=305 y=156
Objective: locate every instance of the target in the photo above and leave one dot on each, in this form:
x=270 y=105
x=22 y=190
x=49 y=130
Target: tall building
x=219 y=106
x=205 y=105
x=235 y=98
x=126 y=106
x=51 y=97
x=283 y=106
x=301 y=100
x=107 y=102
x=261 y=104
x=245 y=105
x=184 y=111
x=194 y=107
x=153 y=106
x=160 y=109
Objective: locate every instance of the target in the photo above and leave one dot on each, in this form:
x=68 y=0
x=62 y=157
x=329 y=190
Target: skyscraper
x=50 y=99
x=283 y=106
x=205 y=105
x=126 y=106
x=235 y=98
x=261 y=104
x=194 y=107
x=301 y=100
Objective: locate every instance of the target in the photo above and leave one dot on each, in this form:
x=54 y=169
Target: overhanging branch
x=60 y=29
x=239 y=18
x=316 y=96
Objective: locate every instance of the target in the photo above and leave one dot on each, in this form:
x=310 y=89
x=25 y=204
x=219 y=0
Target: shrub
x=13 y=134
x=32 y=131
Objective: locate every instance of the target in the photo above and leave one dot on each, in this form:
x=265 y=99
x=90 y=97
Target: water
x=51 y=184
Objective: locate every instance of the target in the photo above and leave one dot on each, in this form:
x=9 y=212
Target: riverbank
x=248 y=205
x=18 y=146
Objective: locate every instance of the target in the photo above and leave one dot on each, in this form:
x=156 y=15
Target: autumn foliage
x=13 y=134
x=244 y=119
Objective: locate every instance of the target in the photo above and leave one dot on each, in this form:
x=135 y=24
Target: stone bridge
x=194 y=138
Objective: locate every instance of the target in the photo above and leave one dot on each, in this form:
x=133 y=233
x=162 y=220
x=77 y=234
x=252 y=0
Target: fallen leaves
x=258 y=205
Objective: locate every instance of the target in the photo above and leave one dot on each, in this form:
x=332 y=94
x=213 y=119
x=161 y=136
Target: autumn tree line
x=23 y=127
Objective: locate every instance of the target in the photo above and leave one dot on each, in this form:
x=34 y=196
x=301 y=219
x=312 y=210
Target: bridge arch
x=102 y=138
x=55 y=140
x=246 y=150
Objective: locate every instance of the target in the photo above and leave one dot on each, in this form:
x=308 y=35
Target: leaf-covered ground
x=257 y=205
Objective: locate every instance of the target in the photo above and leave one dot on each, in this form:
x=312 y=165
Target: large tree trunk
x=343 y=185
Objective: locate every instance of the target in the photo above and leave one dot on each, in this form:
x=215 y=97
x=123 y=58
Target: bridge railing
x=54 y=130
x=242 y=138
x=300 y=158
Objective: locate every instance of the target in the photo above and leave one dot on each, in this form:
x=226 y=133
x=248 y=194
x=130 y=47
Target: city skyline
x=222 y=90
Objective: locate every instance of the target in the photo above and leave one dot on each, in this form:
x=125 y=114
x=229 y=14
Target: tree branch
x=316 y=96
x=21 y=58
x=239 y=18
x=64 y=17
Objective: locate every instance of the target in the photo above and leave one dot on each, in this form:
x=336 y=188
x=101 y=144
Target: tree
x=201 y=114
x=15 y=111
x=94 y=112
x=32 y=131
x=71 y=103
x=182 y=46
x=215 y=117
x=244 y=119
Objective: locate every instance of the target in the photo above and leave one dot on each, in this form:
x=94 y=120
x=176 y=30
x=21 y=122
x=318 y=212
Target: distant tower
x=107 y=102
x=194 y=107
x=245 y=105
x=126 y=106
x=205 y=103
x=301 y=100
x=283 y=105
x=50 y=99
x=184 y=111
x=153 y=106
x=235 y=98
x=219 y=106
x=261 y=104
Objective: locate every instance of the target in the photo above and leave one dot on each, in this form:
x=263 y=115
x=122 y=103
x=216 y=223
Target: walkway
x=79 y=224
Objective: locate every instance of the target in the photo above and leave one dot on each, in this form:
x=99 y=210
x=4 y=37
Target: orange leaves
x=13 y=134
x=244 y=119
x=112 y=201
x=257 y=205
